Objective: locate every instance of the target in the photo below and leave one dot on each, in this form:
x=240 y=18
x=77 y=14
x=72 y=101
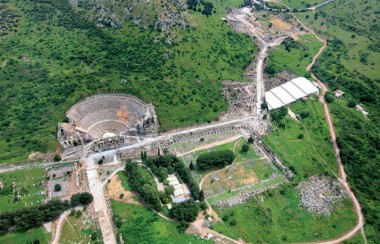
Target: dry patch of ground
x=228 y=179
x=39 y=156
x=115 y=190
x=279 y=24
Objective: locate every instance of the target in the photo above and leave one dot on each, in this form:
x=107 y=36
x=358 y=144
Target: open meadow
x=78 y=228
x=311 y=154
x=22 y=188
x=23 y=237
x=300 y=4
x=293 y=55
x=278 y=217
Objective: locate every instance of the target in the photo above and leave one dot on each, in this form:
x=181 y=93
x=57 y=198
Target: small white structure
x=181 y=192
x=361 y=109
x=338 y=93
x=289 y=92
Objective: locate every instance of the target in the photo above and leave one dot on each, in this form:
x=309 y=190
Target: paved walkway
x=102 y=211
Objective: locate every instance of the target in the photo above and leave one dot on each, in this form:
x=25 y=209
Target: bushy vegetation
x=217 y=159
x=83 y=198
x=141 y=225
x=143 y=185
x=30 y=217
x=168 y=164
x=184 y=211
x=44 y=71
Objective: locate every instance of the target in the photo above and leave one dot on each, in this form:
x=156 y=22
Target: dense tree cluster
x=142 y=185
x=184 y=211
x=30 y=217
x=217 y=159
x=161 y=166
x=206 y=8
x=83 y=198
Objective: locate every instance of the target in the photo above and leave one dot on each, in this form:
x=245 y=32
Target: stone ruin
x=259 y=142
x=279 y=79
x=319 y=194
x=105 y=121
x=240 y=97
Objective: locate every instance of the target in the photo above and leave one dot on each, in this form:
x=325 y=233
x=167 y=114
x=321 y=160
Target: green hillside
x=54 y=55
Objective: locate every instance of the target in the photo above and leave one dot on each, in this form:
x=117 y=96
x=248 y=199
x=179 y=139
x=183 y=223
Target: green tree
x=201 y=196
x=245 y=148
x=57 y=158
x=351 y=104
x=169 y=190
x=250 y=140
x=191 y=166
x=184 y=211
x=83 y=198
x=57 y=187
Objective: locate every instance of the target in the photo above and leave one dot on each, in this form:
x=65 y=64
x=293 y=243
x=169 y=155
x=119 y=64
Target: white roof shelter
x=293 y=90
x=283 y=95
x=272 y=101
x=305 y=85
x=289 y=92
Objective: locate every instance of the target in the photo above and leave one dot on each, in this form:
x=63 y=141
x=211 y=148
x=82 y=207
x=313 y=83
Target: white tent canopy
x=289 y=92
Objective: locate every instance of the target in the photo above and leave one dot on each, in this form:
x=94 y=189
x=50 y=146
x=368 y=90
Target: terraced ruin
x=107 y=117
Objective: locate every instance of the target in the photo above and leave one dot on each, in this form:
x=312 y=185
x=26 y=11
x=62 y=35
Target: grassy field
x=24 y=181
x=124 y=181
x=76 y=230
x=296 y=59
x=141 y=225
x=300 y=4
x=58 y=56
x=360 y=54
x=280 y=219
x=249 y=169
x=234 y=146
x=313 y=153
x=356 y=239
x=30 y=235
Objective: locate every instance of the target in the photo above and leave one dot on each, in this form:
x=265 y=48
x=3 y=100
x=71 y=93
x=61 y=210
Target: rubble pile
x=319 y=194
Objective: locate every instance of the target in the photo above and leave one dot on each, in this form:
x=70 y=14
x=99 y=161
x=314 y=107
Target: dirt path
x=342 y=174
x=211 y=145
x=59 y=224
x=58 y=229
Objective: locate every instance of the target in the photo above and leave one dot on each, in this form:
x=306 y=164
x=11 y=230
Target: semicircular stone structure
x=103 y=116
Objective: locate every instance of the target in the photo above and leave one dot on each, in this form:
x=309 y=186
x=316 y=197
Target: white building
x=289 y=92
x=181 y=192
